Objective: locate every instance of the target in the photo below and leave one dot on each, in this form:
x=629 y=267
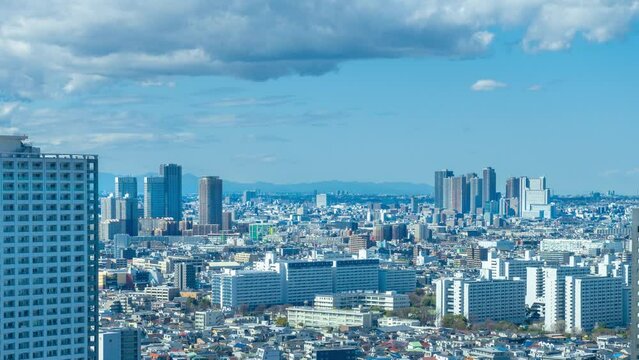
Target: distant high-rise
x=321 y=200
x=476 y=192
x=126 y=185
x=185 y=276
x=512 y=188
x=49 y=253
x=489 y=192
x=210 y=200
x=123 y=209
x=440 y=175
x=227 y=220
x=534 y=198
x=458 y=194
x=248 y=195
x=172 y=175
x=154 y=200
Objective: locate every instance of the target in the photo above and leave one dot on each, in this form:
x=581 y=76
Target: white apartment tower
x=592 y=301
x=555 y=293
x=48 y=253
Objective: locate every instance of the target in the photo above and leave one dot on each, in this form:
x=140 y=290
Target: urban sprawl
x=476 y=270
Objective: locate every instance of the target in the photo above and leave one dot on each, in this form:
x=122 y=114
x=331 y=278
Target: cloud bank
x=54 y=48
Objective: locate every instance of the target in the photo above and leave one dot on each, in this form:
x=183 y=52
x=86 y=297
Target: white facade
x=388 y=301
x=246 y=287
x=555 y=293
x=534 y=199
x=323 y=318
x=162 y=293
x=592 y=301
x=478 y=301
x=207 y=319
x=48 y=253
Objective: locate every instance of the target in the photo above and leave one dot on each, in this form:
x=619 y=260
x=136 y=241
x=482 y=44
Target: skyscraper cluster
x=163 y=194
x=471 y=194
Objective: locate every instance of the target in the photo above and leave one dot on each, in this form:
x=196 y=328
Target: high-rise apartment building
x=154 y=197
x=592 y=301
x=440 y=175
x=172 y=175
x=489 y=192
x=476 y=194
x=185 y=277
x=321 y=200
x=481 y=300
x=555 y=293
x=126 y=185
x=210 y=200
x=48 y=253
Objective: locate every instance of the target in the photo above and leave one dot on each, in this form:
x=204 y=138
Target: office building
x=120 y=344
x=399 y=231
x=172 y=176
x=246 y=287
x=382 y=232
x=387 y=301
x=126 y=185
x=399 y=280
x=163 y=293
x=210 y=200
x=50 y=216
x=154 y=197
x=534 y=199
x=328 y=318
x=185 y=276
x=481 y=300
x=439 y=187
x=592 y=301
x=489 y=182
x=123 y=209
x=458 y=196
x=356 y=275
x=421 y=232
x=303 y=279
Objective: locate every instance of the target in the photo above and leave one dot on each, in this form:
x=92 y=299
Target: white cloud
x=62 y=46
x=535 y=87
x=487 y=85
x=7 y=108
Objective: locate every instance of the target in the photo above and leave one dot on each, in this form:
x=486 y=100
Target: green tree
x=281 y=321
x=458 y=322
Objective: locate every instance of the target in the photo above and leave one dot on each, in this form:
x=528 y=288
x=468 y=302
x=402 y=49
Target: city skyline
x=475 y=96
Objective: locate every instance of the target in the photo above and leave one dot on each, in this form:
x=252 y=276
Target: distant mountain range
x=190 y=186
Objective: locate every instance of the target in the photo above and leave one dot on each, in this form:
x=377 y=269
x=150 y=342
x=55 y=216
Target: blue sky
x=330 y=92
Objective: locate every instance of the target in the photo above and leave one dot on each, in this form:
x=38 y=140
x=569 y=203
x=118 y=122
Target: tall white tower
x=48 y=253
